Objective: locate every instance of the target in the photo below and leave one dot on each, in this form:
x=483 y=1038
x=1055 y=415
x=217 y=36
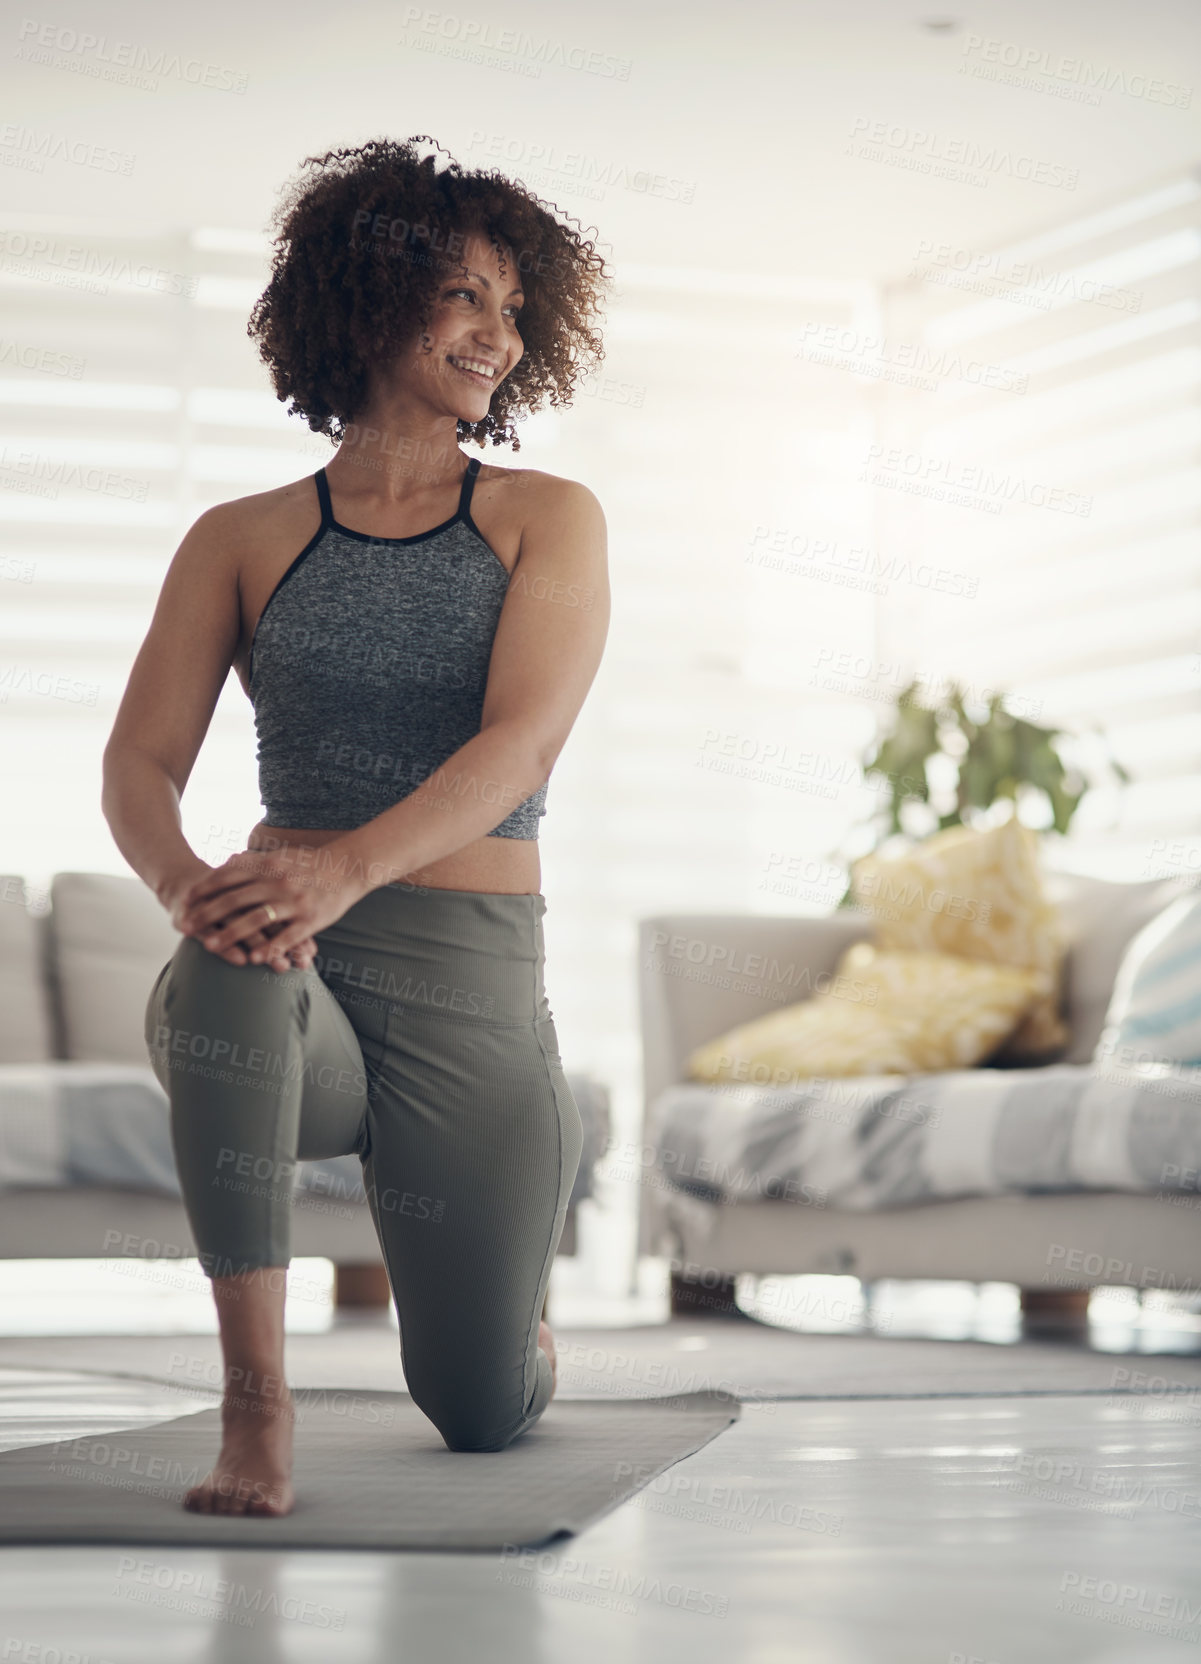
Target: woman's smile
x=480 y=370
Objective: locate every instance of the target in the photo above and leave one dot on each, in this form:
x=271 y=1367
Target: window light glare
x=212 y=239
x=1162 y=200
x=83 y=395
x=235 y=406
x=232 y=294
x=1065 y=286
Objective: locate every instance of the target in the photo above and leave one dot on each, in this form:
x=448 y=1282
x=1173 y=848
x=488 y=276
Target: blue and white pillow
x=1154 y=1014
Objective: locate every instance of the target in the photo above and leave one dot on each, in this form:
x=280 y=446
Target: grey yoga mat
x=371 y=1472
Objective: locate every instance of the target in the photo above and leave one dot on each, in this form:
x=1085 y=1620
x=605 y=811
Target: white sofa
x=1040 y=1241
x=80 y=1105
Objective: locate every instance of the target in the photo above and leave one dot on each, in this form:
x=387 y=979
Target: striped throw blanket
x=884 y=1141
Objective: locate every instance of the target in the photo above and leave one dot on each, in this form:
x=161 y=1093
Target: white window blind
x=1054 y=459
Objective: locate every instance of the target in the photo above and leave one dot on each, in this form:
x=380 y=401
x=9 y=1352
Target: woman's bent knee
x=192 y=962
x=191 y=969
x=468 y=1426
x=194 y=976
x=202 y=1008
x=464 y=1437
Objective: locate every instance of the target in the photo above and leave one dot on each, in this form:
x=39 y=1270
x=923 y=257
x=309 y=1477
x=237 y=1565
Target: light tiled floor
x=1008 y=1529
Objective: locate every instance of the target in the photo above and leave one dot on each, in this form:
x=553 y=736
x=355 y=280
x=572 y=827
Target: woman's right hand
x=299 y=956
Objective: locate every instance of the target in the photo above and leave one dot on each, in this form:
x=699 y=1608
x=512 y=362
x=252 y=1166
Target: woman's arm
x=168 y=704
x=547 y=650
x=165 y=713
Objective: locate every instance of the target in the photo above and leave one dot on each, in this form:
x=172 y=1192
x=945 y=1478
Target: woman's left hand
x=227 y=907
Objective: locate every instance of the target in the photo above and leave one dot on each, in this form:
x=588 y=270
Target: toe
x=271 y=1504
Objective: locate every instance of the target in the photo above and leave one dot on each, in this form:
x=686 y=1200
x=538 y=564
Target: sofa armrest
x=702 y=973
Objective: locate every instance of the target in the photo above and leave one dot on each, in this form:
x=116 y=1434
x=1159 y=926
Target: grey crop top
x=368 y=669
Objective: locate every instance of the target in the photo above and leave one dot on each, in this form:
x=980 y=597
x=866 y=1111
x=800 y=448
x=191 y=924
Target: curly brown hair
x=360 y=250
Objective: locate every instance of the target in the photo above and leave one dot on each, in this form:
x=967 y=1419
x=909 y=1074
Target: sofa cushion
x=110 y=937
x=885 y=1013
x=1100 y=919
x=976 y=893
x=26 y=1016
x=702 y=973
x=1154 y=1016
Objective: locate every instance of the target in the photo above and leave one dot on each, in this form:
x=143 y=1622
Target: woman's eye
x=514 y=310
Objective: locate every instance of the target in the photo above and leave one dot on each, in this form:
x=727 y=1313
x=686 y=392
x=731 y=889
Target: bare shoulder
x=537 y=498
x=534 y=486
x=248 y=523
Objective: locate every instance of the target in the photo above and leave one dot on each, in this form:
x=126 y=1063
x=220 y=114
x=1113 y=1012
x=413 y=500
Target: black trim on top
x=463 y=512
x=326 y=522
x=323 y=497
x=469 y=478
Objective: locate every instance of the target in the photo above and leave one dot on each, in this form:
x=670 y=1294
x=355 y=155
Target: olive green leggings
x=421 y=1040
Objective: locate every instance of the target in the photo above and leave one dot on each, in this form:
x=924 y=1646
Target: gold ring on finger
x=270 y=911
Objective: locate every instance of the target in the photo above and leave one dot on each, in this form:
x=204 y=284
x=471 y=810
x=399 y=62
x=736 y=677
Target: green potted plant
x=988 y=751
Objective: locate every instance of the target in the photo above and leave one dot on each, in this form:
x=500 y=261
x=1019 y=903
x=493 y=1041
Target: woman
x=416 y=633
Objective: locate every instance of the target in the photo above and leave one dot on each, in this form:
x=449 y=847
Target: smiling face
x=472 y=340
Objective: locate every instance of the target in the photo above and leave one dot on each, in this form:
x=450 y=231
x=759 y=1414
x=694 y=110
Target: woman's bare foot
x=253 y=1473
x=546 y=1342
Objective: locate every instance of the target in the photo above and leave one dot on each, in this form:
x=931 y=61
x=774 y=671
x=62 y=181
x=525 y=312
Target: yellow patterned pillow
x=977 y=894
x=884 y=1014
